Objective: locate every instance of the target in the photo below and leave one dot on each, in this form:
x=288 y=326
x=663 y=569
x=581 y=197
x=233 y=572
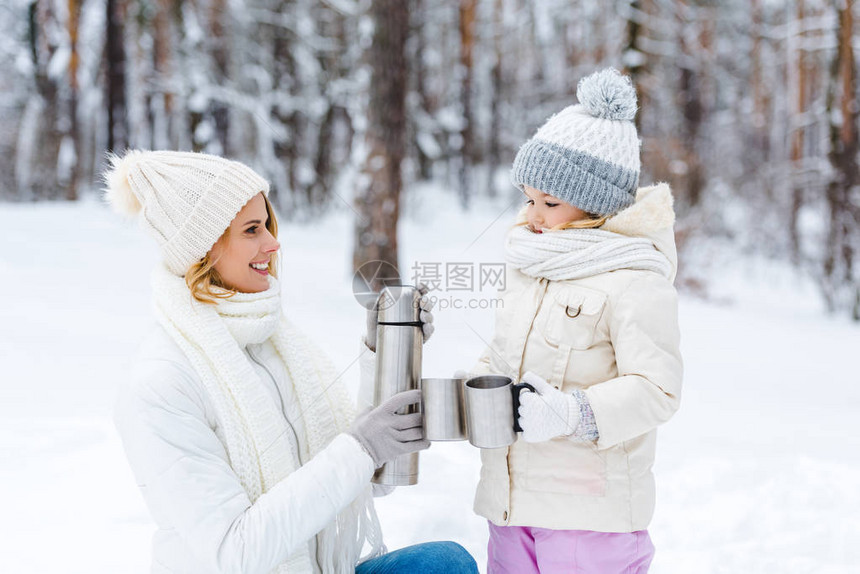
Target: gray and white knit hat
x=587 y=154
x=186 y=200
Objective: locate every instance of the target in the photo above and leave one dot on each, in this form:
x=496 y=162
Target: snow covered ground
x=758 y=472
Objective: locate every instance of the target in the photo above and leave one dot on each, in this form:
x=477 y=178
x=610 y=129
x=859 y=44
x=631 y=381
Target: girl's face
x=242 y=254
x=544 y=211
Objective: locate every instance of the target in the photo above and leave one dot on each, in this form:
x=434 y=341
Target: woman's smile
x=247 y=237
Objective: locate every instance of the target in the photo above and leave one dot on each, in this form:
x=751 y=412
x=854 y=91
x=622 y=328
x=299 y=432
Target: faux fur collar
x=651 y=216
x=651 y=212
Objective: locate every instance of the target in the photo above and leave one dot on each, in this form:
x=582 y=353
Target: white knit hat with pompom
x=185 y=199
x=587 y=154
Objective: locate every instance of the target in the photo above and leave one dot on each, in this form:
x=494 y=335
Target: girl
x=590 y=320
x=236 y=427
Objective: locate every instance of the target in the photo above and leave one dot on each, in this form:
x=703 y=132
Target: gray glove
x=425 y=316
x=385 y=434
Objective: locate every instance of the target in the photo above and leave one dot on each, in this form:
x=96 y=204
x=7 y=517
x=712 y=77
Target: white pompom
x=607 y=94
x=118 y=192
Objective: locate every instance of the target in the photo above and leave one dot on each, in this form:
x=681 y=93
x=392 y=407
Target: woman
x=236 y=427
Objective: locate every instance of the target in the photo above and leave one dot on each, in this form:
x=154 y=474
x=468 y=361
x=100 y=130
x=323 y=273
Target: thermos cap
x=399 y=304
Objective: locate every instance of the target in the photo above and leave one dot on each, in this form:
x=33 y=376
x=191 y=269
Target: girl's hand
x=548 y=413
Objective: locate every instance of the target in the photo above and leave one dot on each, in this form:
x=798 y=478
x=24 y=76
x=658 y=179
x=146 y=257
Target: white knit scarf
x=254 y=430
x=578 y=253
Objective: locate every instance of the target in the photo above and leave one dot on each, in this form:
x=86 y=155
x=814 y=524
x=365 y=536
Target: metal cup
x=492 y=402
x=443 y=405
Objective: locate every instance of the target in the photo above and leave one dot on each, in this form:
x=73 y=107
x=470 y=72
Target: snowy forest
x=387 y=129
x=748 y=108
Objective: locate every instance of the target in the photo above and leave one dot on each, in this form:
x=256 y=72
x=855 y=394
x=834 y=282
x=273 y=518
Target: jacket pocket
x=572 y=317
x=566 y=467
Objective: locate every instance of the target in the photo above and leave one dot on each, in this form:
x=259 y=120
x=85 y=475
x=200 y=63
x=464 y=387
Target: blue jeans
x=427 y=558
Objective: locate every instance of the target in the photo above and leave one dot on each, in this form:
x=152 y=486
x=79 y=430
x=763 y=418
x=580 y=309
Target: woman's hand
x=372 y=319
x=425 y=316
x=385 y=434
x=547 y=413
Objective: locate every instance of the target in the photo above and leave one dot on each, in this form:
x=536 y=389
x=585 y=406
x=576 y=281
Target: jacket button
x=505 y=515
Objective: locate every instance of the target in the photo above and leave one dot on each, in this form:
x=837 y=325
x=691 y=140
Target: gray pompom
x=607 y=94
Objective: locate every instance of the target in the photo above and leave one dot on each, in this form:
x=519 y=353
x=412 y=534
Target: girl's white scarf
x=579 y=253
x=254 y=430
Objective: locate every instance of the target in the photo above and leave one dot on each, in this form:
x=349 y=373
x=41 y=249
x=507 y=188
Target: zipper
x=545 y=282
x=295 y=439
x=295 y=435
x=532 y=324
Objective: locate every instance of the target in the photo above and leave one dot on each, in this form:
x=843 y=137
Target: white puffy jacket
x=614 y=336
x=206 y=522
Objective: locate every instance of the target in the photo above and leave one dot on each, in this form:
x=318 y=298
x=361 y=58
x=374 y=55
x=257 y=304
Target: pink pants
x=526 y=550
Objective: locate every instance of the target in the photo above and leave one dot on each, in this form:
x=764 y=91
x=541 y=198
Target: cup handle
x=515 y=391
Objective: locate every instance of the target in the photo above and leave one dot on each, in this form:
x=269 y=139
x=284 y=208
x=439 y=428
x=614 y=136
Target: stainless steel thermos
x=398 y=367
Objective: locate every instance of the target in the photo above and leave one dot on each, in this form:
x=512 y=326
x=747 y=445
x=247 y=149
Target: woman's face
x=544 y=211
x=242 y=254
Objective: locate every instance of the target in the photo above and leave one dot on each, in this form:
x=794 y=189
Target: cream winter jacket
x=206 y=522
x=614 y=336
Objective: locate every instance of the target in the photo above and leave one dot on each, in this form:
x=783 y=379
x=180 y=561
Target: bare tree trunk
x=494 y=152
x=798 y=133
x=467 y=44
x=323 y=168
x=333 y=29
x=572 y=35
x=329 y=30
x=419 y=69
x=636 y=68
x=378 y=201
x=840 y=286
x=600 y=45
x=691 y=85
x=36 y=173
x=761 y=101
x=220 y=54
x=536 y=46
x=161 y=105
x=283 y=79
x=117 y=116
x=73 y=137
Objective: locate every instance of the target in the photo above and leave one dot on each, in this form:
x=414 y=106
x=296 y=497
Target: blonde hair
x=590 y=222
x=206 y=284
